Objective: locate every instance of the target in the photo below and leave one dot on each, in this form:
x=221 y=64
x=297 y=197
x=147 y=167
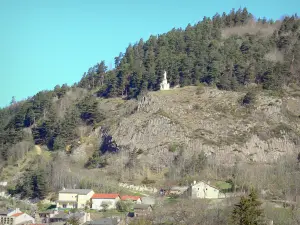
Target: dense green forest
x=197 y=54
x=200 y=54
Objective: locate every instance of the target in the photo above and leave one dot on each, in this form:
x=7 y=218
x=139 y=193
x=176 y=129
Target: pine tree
x=39 y=184
x=247 y=211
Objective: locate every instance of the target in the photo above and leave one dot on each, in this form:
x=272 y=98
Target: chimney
x=195 y=182
x=18 y=210
x=208 y=182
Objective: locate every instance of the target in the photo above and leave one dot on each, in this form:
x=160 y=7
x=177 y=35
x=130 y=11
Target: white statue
x=164 y=85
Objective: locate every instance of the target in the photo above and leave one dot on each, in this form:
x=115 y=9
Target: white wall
x=3 y=183
x=96 y=203
x=203 y=190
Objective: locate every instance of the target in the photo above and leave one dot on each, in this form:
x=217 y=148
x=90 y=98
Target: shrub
x=104 y=206
x=123 y=206
x=249 y=98
x=174 y=147
x=148 y=181
x=196 y=107
x=200 y=89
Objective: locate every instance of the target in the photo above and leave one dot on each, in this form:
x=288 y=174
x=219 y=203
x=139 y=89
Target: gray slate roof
x=3 y=212
x=77 y=191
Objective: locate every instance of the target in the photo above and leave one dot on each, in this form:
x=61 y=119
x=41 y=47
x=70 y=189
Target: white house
x=74 y=198
x=203 y=190
x=110 y=200
x=135 y=199
x=23 y=218
x=15 y=217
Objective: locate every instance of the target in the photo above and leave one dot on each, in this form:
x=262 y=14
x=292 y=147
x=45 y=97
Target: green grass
x=108 y=213
x=223 y=185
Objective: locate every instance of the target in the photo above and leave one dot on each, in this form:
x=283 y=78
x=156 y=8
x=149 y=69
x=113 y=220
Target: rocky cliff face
x=209 y=120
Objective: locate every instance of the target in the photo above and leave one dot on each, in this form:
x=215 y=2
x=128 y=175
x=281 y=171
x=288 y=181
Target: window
x=64 y=206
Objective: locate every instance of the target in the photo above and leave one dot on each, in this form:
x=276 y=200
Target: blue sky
x=49 y=42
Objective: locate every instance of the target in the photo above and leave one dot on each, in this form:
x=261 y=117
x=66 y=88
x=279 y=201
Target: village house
x=108 y=201
x=202 y=190
x=5 y=219
x=15 y=217
x=74 y=198
x=45 y=216
x=135 y=199
x=22 y=219
x=142 y=210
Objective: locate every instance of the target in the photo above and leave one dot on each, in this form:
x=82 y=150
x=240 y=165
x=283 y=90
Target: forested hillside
x=207 y=52
x=230 y=52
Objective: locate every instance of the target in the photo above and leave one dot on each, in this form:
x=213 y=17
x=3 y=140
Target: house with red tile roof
x=105 y=201
x=22 y=219
x=135 y=199
x=17 y=214
x=15 y=217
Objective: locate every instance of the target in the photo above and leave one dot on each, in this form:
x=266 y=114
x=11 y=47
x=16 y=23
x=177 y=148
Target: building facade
x=134 y=199
x=15 y=217
x=74 y=198
x=100 y=201
x=202 y=190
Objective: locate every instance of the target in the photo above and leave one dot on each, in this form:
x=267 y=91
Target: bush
x=200 y=89
x=249 y=98
x=104 y=206
x=148 y=181
x=174 y=147
x=123 y=206
x=196 y=107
